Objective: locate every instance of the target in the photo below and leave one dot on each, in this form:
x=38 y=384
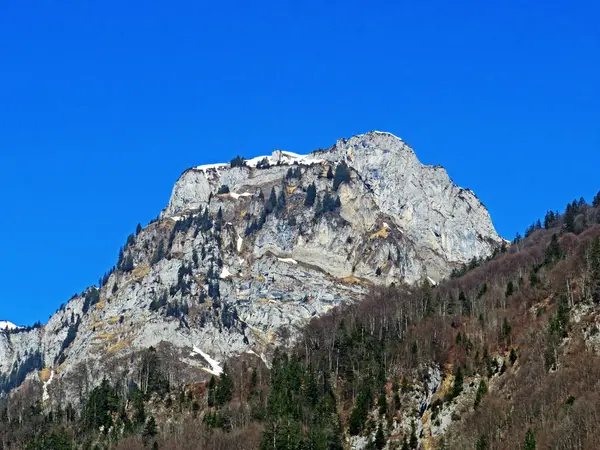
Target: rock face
x=243 y=256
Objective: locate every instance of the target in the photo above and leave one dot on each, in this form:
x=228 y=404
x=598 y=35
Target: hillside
x=274 y=298
x=502 y=354
x=219 y=271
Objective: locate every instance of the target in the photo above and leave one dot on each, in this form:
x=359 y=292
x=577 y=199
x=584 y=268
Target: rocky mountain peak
x=247 y=252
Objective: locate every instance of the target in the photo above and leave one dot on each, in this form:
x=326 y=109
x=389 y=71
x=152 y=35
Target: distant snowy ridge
x=277 y=157
x=6 y=325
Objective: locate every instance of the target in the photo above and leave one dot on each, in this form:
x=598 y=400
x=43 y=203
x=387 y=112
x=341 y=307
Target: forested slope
x=502 y=355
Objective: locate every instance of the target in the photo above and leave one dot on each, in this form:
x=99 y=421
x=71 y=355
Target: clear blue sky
x=104 y=104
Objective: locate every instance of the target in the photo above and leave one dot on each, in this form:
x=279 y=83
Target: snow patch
x=385 y=132
x=432 y=281
x=240 y=242
x=6 y=325
x=243 y=194
x=45 y=395
x=288 y=260
x=225 y=273
x=215 y=368
x=283 y=157
x=216 y=166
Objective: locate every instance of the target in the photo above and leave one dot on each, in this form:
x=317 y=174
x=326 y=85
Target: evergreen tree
x=569 y=217
x=237 y=162
x=55 y=440
x=212 y=384
x=329 y=173
x=513 y=356
x=466 y=304
x=481 y=391
x=382 y=403
x=150 y=429
x=138 y=229
x=311 y=194
x=379 y=438
x=139 y=415
x=457 y=387
x=224 y=392
x=553 y=252
x=281 y=202
x=530 y=443
x=549 y=220
x=263 y=164
x=414 y=441
x=342 y=175
x=482 y=443
x=359 y=414
x=596 y=201
x=271 y=202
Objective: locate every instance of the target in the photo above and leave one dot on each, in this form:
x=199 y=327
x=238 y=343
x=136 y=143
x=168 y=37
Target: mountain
x=221 y=267
x=246 y=253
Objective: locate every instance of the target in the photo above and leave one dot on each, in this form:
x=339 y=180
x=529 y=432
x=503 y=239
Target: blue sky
x=104 y=104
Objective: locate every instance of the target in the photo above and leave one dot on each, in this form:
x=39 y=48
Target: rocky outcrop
x=242 y=258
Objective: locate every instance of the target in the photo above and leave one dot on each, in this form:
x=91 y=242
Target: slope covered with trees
x=503 y=354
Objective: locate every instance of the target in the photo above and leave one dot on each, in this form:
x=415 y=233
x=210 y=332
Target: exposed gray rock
x=240 y=274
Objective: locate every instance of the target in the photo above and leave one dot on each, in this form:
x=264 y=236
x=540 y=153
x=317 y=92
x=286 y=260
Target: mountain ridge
x=215 y=274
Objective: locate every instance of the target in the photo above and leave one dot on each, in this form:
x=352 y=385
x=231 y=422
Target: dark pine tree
x=311 y=194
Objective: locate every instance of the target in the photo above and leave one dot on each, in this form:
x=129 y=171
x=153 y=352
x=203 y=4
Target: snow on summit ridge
x=6 y=325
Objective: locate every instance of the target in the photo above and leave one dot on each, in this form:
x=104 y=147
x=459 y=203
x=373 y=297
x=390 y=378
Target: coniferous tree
x=482 y=443
x=271 y=202
x=311 y=194
x=359 y=414
x=513 y=356
x=224 y=391
x=595 y=270
x=382 y=403
x=150 y=429
x=510 y=289
x=263 y=164
x=481 y=391
x=549 y=220
x=329 y=173
x=212 y=385
x=596 y=200
x=569 y=217
x=281 y=202
x=379 y=438
x=553 y=252
x=414 y=441
x=237 y=162
x=530 y=443
x=466 y=304
x=342 y=175
x=457 y=387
